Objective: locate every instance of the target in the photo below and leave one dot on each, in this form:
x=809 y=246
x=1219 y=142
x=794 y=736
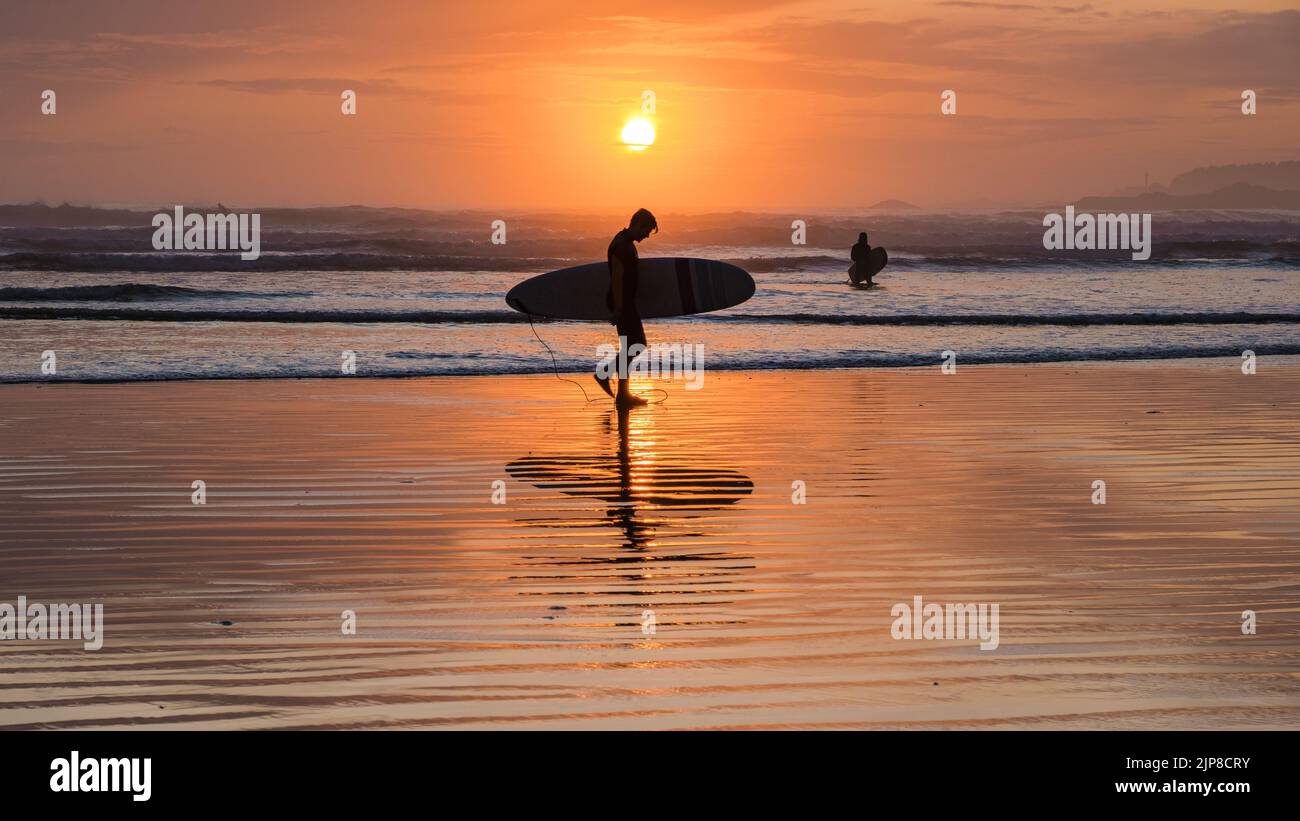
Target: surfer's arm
x=616 y=286
x=631 y=274
x=624 y=274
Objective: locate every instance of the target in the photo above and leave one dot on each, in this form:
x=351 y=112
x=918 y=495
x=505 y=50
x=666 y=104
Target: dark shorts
x=629 y=326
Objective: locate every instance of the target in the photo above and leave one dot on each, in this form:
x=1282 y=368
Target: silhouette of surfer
x=861 y=255
x=621 y=298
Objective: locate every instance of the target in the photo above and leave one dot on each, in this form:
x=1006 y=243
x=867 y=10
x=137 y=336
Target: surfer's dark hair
x=643 y=215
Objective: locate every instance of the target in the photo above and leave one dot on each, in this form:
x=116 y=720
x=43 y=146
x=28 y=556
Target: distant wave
x=230 y=261
x=1197 y=318
x=509 y=317
x=766 y=265
x=912 y=261
x=1188 y=257
x=1177 y=253
x=287 y=316
x=126 y=292
x=992 y=257
x=391 y=254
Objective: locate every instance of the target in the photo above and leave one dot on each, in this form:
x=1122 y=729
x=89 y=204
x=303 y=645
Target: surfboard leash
x=555 y=366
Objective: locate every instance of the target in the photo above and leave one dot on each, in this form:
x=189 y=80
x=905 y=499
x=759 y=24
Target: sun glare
x=638 y=134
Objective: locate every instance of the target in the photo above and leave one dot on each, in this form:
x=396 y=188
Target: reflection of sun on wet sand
x=354 y=495
x=636 y=482
x=656 y=497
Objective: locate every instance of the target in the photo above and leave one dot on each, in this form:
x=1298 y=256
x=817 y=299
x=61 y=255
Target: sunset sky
x=519 y=105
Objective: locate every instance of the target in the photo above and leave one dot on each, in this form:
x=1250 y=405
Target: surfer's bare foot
x=627 y=400
x=604 y=384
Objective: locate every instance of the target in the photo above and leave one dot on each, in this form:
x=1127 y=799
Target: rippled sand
x=376 y=496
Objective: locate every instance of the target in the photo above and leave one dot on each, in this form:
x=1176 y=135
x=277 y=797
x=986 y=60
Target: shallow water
x=422 y=293
x=403 y=323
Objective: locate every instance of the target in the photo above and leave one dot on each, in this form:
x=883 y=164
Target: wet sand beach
x=655 y=571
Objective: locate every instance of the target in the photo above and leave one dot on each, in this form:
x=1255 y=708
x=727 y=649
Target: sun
x=638 y=134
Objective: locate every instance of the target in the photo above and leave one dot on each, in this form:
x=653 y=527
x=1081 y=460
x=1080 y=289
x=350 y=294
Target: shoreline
x=1154 y=361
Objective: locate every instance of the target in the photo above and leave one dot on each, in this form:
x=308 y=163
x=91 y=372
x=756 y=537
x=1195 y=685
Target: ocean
x=422 y=293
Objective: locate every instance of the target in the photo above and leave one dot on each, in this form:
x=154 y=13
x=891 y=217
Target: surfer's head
x=641 y=224
x=862 y=237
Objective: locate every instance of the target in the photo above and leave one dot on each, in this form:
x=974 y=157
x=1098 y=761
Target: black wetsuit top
x=623 y=272
x=860 y=254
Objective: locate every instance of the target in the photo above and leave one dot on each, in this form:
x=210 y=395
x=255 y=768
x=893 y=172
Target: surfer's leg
x=630 y=332
x=604 y=381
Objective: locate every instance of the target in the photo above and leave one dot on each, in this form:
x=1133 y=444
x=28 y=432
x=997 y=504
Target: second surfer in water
x=621 y=299
x=861 y=256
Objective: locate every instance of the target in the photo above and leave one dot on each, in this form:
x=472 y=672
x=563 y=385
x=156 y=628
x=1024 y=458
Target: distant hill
x=1239 y=195
x=1135 y=190
x=1280 y=176
x=895 y=205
